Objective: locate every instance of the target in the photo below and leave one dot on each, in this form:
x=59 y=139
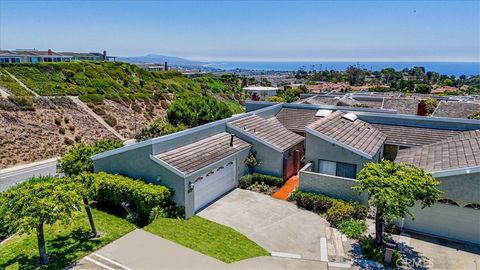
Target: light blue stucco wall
x=463 y=188
x=317 y=148
x=332 y=186
x=271 y=160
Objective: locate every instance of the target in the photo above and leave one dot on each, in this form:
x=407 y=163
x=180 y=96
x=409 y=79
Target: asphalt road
x=18 y=174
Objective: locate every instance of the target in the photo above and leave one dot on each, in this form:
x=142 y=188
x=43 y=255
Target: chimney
x=231 y=140
x=49 y=52
x=166 y=65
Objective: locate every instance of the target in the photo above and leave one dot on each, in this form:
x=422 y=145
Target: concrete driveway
x=276 y=225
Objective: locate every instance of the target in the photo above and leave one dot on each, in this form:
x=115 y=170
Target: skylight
x=350 y=116
x=323 y=113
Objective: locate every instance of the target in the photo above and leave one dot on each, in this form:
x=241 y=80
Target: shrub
x=71 y=128
x=99 y=111
x=352 y=228
x=320 y=204
x=373 y=252
x=339 y=211
x=107 y=144
x=276 y=99
x=110 y=120
x=66 y=120
x=113 y=190
x=195 y=111
x=245 y=181
x=261 y=179
x=157 y=129
x=68 y=141
x=267 y=179
x=474 y=115
x=92 y=98
x=61 y=130
x=57 y=121
x=23 y=102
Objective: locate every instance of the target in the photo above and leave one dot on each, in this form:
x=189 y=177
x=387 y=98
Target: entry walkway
x=289 y=186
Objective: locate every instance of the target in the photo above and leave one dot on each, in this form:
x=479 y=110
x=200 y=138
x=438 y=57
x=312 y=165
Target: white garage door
x=212 y=185
x=448 y=221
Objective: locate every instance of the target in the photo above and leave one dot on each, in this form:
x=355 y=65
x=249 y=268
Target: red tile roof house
x=326 y=146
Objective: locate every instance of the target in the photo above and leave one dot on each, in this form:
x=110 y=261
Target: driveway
x=143 y=250
x=276 y=225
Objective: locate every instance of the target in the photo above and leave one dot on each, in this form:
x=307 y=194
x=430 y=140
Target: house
x=325 y=145
x=36 y=56
x=456 y=109
x=455 y=162
x=260 y=92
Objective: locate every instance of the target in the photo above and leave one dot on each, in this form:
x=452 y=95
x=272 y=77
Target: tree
x=197 y=110
x=158 y=128
x=474 y=115
x=43 y=200
x=394 y=188
x=77 y=163
x=423 y=88
x=276 y=99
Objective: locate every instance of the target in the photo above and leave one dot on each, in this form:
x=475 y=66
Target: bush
x=373 y=252
x=23 y=102
x=107 y=144
x=61 y=130
x=110 y=120
x=68 y=141
x=320 y=204
x=352 y=228
x=157 y=129
x=195 y=111
x=339 y=211
x=474 y=115
x=276 y=99
x=99 y=111
x=250 y=179
x=92 y=98
x=143 y=198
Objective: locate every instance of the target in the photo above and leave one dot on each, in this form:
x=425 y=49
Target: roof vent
x=323 y=113
x=350 y=116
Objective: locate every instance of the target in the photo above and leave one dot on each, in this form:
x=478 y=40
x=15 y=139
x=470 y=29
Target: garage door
x=214 y=184
x=448 y=221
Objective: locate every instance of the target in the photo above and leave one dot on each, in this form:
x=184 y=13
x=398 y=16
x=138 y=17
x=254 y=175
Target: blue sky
x=250 y=30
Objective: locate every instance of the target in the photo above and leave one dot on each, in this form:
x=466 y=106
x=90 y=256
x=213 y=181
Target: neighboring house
x=260 y=92
x=326 y=145
x=456 y=109
x=36 y=56
x=455 y=162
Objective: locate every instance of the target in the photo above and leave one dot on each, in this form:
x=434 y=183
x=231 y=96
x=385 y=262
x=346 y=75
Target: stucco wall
x=317 y=148
x=462 y=188
x=332 y=186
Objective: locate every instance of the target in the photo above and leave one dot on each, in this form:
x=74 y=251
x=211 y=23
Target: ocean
x=447 y=68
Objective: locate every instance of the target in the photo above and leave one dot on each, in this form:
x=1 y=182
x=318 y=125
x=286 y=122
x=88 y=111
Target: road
x=18 y=174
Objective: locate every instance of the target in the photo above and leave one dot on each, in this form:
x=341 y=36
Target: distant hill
x=160 y=59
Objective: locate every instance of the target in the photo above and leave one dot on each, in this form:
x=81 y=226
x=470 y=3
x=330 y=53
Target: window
x=327 y=167
x=337 y=168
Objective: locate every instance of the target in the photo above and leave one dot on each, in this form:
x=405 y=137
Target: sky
x=249 y=30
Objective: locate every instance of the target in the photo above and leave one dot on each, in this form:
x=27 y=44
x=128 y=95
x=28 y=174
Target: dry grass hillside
x=43 y=131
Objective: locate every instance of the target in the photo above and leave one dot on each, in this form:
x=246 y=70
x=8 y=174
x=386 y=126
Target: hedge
x=269 y=180
x=335 y=209
x=142 y=197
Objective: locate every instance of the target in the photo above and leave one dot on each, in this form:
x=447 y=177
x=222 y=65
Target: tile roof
x=456 y=109
x=322 y=100
x=356 y=134
x=402 y=105
x=194 y=156
x=413 y=136
x=296 y=119
x=461 y=151
x=269 y=130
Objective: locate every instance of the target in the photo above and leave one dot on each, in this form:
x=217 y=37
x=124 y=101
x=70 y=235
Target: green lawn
x=207 y=237
x=65 y=243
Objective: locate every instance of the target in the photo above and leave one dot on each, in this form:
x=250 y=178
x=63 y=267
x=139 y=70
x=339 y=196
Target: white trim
x=168 y=166
x=458 y=171
x=436 y=108
x=343 y=145
x=168 y=137
x=239 y=130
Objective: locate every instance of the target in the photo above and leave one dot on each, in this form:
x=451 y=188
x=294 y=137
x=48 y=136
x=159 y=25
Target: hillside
x=128 y=99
